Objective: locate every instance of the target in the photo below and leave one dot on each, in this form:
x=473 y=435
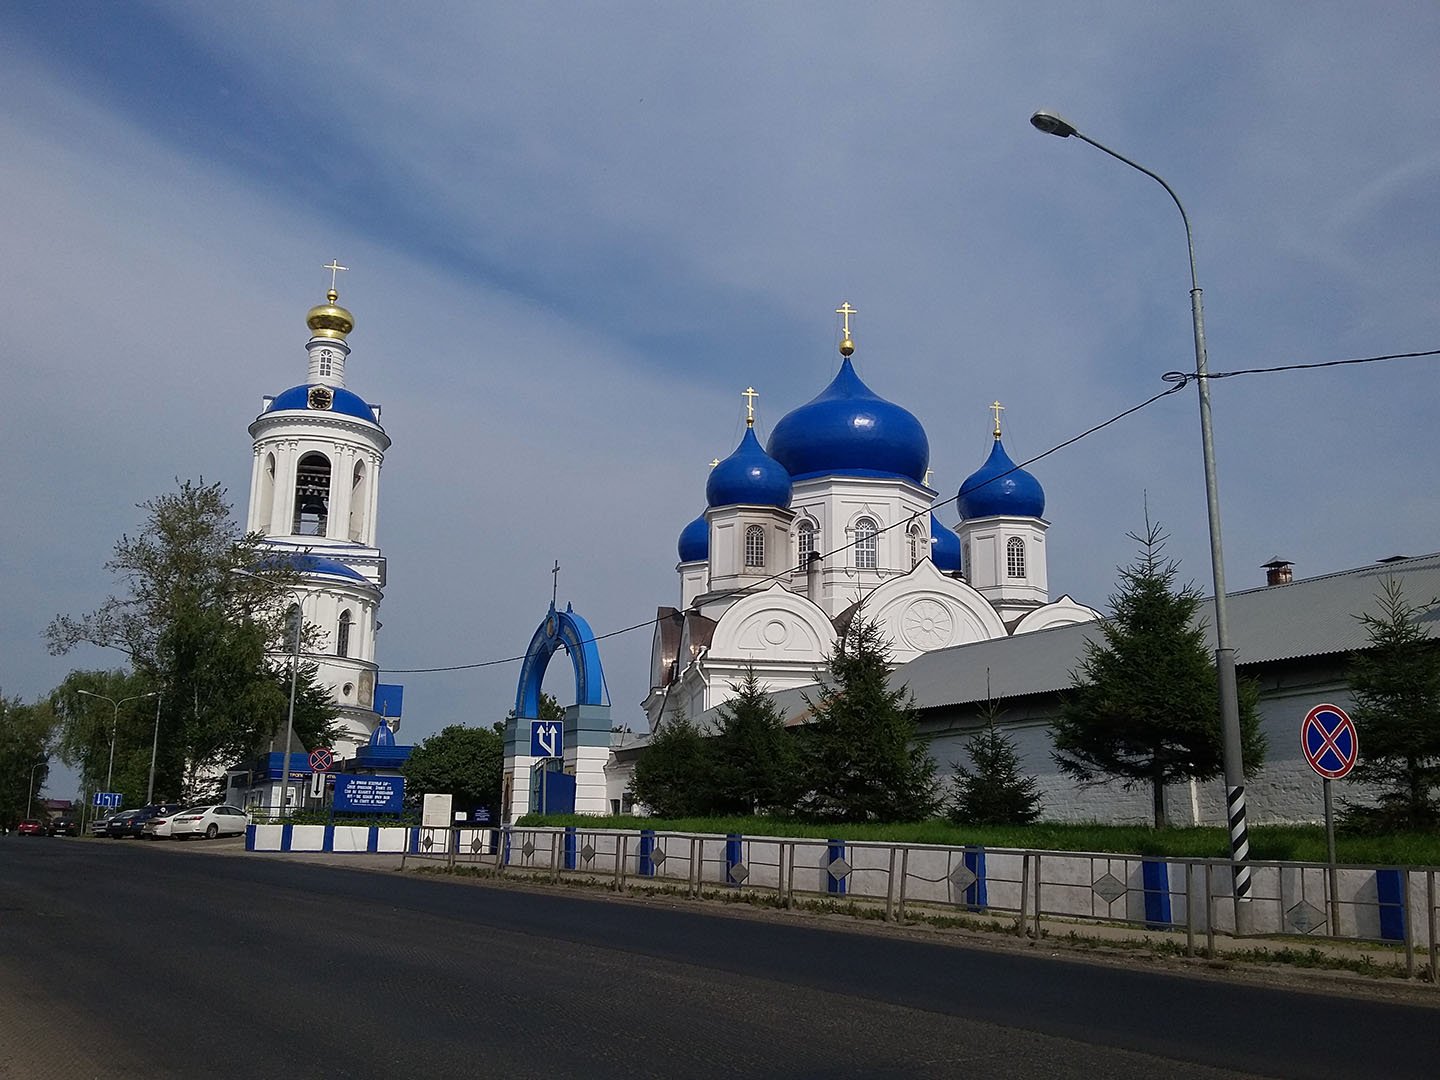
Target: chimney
x=812 y=577
x=1277 y=571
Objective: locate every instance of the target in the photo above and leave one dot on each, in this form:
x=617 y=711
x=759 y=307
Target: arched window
x=342 y=637
x=865 y=530
x=359 y=502
x=965 y=561
x=754 y=546
x=916 y=550
x=1015 y=557
x=312 y=495
x=804 y=543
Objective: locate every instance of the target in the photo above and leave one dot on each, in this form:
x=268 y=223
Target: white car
x=159 y=826
x=208 y=821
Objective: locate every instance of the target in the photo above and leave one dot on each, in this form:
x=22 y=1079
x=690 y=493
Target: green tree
x=863 y=762
x=675 y=774
x=26 y=735
x=1396 y=682
x=466 y=762
x=1143 y=707
x=996 y=792
x=757 y=762
x=214 y=641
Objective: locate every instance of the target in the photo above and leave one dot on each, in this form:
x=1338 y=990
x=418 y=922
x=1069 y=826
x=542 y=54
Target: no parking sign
x=1329 y=741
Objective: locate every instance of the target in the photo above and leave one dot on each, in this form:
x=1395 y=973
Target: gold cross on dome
x=749 y=394
x=927 y=476
x=714 y=462
x=334 y=267
x=846 y=310
x=997 y=409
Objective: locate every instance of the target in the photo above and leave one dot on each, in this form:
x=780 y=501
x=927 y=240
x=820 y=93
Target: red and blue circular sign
x=1329 y=740
x=321 y=759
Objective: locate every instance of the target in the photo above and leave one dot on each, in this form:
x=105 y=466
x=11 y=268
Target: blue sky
x=577 y=232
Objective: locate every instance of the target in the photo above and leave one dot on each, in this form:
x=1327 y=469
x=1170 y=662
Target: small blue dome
x=342 y=401
x=945 y=551
x=695 y=541
x=848 y=430
x=748 y=477
x=999 y=488
x=382 y=735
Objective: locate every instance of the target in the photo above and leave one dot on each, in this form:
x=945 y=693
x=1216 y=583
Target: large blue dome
x=998 y=488
x=748 y=477
x=342 y=401
x=848 y=430
x=695 y=541
x=945 y=551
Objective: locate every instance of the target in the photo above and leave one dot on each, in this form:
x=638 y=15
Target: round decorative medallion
x=927 y=624
x=776 y=632
x=321 y=397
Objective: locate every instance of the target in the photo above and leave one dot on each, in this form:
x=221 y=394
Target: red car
x=30 y=827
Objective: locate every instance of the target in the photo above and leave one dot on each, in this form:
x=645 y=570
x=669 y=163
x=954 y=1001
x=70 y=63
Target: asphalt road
x=121 y=959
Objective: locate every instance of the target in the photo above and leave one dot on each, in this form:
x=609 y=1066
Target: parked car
x=64 y=825
x=158 y=826
x=209 y=821
x=30 y=827
x=119 y=825
x=97 y=826
x=135 y=826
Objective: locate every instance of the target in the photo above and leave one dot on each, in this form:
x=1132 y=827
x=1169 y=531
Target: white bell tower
x=314 y=496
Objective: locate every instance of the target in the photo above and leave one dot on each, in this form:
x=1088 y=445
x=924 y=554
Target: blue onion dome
x=748 y=477
x=945 y=551
x=849 y=430
x=695 y=541
x=322 y=398
x=382 y=735
x=998 y=489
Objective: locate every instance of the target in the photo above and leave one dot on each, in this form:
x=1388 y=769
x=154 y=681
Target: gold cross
x=750 y=394
x=334 y=269
x=846 y=310
x=714 y=462
x=997 y=409
x=927 y=476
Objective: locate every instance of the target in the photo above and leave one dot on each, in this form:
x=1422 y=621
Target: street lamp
x=115 y=723
x=1052 y=124
x=154 y=748
x=31 y=800
x=294 y=677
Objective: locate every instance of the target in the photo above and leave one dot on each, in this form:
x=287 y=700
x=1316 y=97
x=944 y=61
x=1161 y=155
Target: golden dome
x=847 y=347
x=330 y=320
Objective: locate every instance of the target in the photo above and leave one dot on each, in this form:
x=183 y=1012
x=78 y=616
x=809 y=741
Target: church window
x=324 y=368
x=915 y=548
x=865 y=547
x=754 y=546
x=1015 y=557
x=804 y=543
x=312 y=495
x=965 y=560
x=342 y=638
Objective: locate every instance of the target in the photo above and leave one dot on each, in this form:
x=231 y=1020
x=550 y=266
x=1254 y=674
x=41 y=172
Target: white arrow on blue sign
x=547 y=739
x=108 y=800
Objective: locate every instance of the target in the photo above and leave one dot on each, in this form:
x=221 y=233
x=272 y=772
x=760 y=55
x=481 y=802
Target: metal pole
x=114 y=728
x=290 y=716
x=30 y=801
x=154 y=747
x=1332 y=874
x=1224 y=653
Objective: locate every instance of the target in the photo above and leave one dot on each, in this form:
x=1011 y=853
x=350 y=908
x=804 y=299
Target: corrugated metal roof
x=1312 y=617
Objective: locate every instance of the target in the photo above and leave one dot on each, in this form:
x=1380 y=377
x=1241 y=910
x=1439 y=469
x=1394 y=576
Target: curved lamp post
x=30 y=802
x=1052 y=124
x=115 y=723
x=298 y=597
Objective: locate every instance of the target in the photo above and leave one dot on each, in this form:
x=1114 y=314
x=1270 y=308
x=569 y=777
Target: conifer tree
x=674 y=776
x=863 y=762
x=1396 y=682
x=997 y=792
x=757 y=762
x=1144 y=707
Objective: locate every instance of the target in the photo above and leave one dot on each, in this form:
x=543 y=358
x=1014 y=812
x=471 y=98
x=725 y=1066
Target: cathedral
x=834 y=513
x=314 y=493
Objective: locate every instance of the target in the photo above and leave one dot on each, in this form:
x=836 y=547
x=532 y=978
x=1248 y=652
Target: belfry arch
x=580 y=786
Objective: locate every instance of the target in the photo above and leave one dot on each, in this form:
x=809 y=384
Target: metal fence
x=1379 y=905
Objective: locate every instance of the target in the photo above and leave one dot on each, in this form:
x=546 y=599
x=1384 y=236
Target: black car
x=133 y=826
x=64 y=826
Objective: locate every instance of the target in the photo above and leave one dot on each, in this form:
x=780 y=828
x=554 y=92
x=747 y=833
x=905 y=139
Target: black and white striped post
x=1051 y=124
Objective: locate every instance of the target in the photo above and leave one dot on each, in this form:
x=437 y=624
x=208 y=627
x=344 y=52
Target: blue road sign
x=359 y=794
x=1329 y=741
x=109 y=800
x=547 y=738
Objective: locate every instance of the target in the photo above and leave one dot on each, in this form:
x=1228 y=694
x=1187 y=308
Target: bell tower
x=314 y=494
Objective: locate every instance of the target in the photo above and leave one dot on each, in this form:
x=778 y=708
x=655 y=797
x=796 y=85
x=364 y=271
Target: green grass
x=1286 y=843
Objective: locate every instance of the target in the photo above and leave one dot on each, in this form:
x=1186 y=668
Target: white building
x=836 y=512
x=314 y=495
